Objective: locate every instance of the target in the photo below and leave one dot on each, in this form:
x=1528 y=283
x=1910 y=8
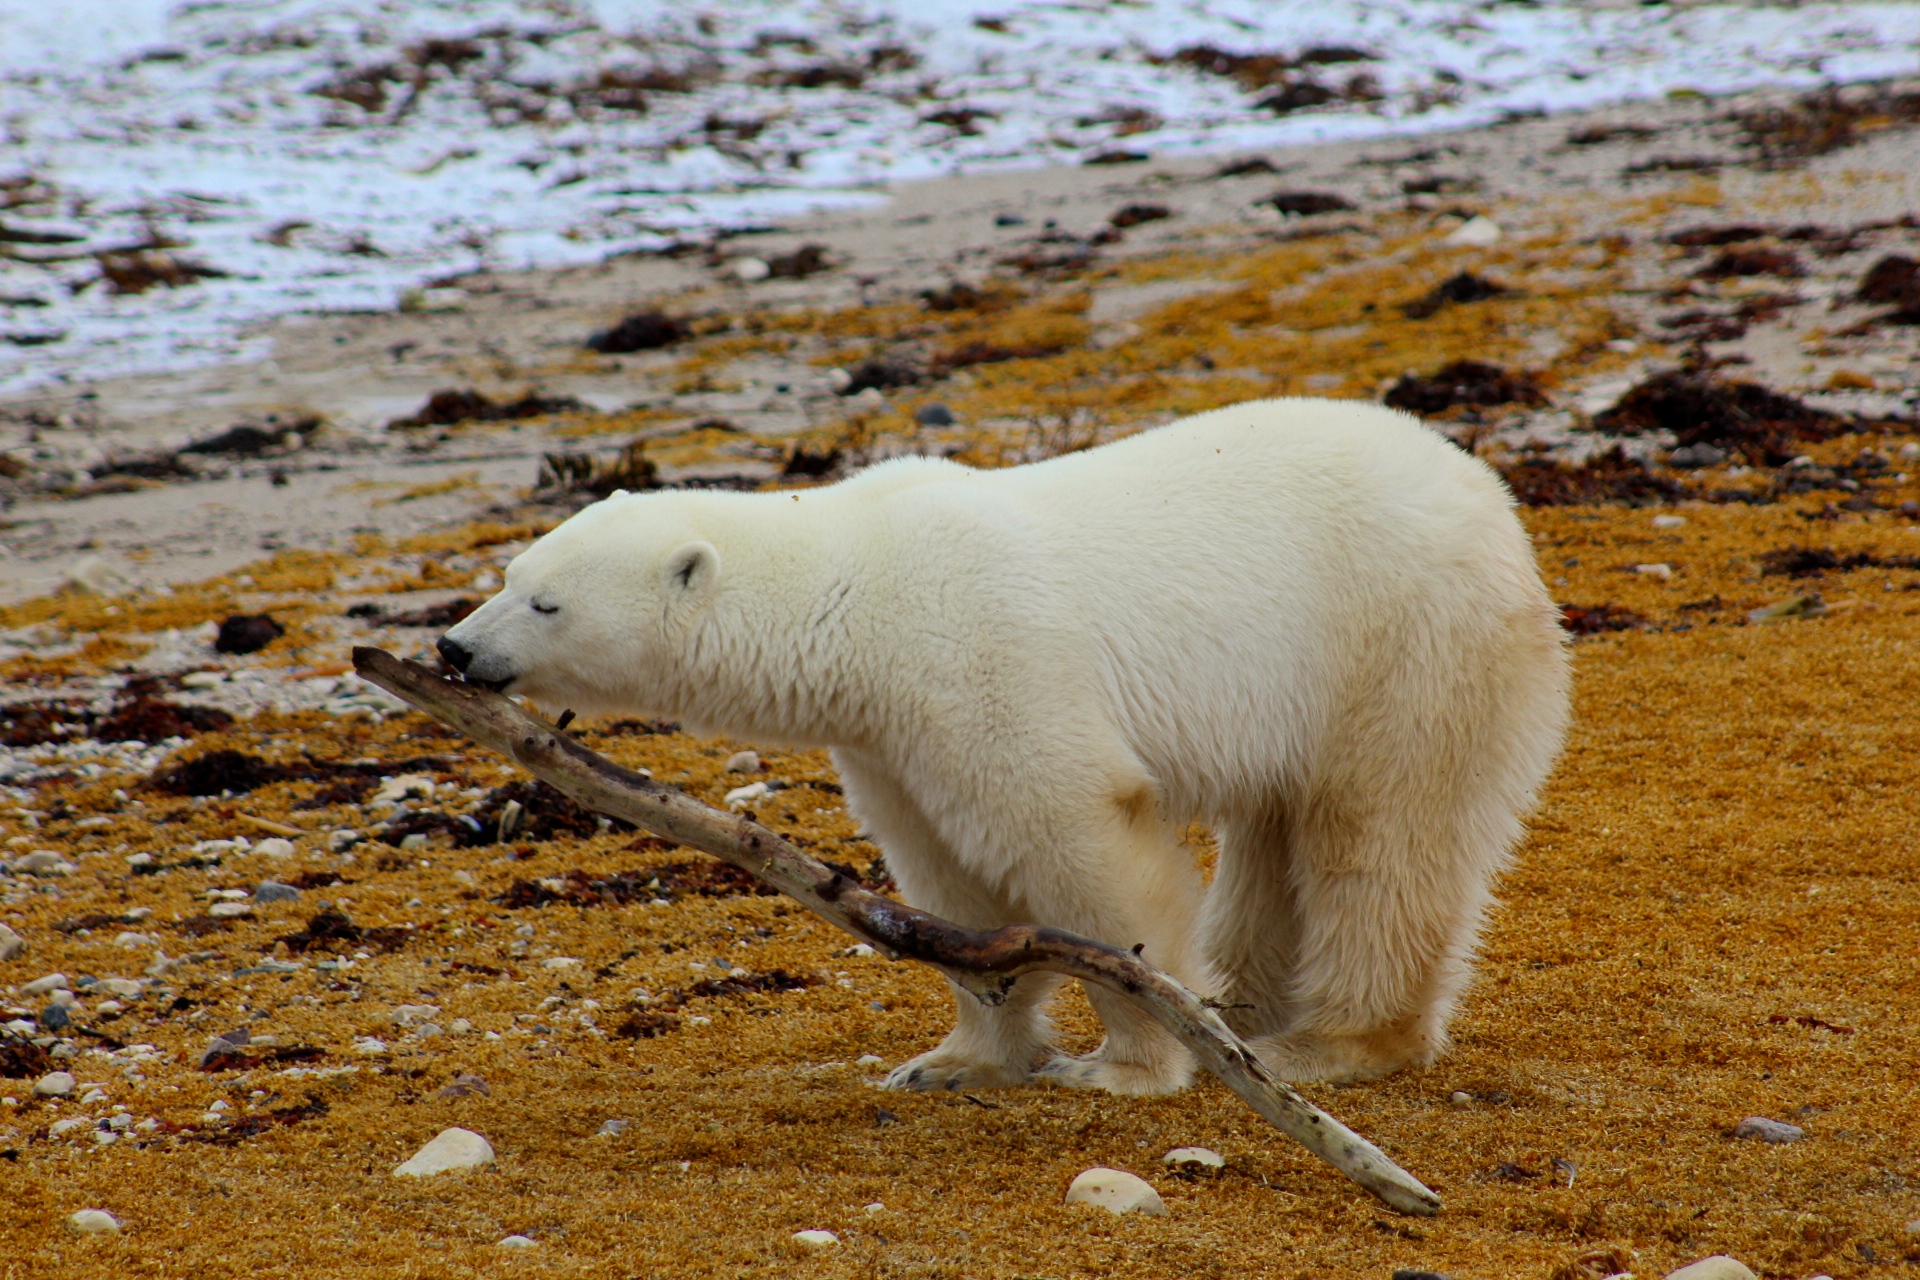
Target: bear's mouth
x=497 y=686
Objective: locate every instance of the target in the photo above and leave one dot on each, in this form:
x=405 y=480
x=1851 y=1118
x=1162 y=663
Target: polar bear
x=1315 y=626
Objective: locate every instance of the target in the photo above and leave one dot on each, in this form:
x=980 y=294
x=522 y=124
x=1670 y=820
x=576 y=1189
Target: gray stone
x=57 y=1084
x=43 y=985
x=1718 y=1267
x=934 y=414
x=55 y=1018
x=274 y=891
x=452 y=1149
x=612 y=1128
x=43 y=862
x=11 y=943
x=1694 y=456
x=1768 y=1130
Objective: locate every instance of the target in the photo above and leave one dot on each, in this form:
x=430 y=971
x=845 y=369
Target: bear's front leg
x=990 y=1046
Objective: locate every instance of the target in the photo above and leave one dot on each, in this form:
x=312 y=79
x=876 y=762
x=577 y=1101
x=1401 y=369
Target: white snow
x=200 y=124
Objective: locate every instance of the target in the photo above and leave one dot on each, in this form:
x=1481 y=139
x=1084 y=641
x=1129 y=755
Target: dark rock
x=274 y=891
x=1307 y=203
x=934 y=414
x=1695 y=456
x=1454 y=290
x=55 y=1018
x=806 y=464
x=247 y=633
x=445 y=408
x=1132 y=215
x=641 y=331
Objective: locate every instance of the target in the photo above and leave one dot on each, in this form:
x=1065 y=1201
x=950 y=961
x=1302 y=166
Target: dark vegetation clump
x=1132 y=215
x=34 y=724
x=807 y=260
x=1811 y=562
x=1824 y=122
x=1596 y=135
x=21 y=1058
x=220 y=773
x=547 y=814
x=883 y=373
x=1699 y=408
x=445 y=408
x=136 y=270
x=641 y=331
x=152 y=720
x=439 y=616
x=1611 y=477
x=1713 y=237
x=1469 y=383
x=1246 y=168
x=805 y=463
x=1453 y=291
x=250 y=440
x=330 y=929
x=581 y=473
x=1729 y=263
x=1893 y=281
x=247 y=633
x=1593 y=619
x=1307 y=203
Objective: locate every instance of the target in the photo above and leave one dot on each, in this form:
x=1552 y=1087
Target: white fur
x=1314 y=625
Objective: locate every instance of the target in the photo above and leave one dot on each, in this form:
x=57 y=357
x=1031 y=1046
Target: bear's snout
x=458 y=656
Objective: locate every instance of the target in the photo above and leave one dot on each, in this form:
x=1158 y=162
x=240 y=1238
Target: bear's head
x=594 y=616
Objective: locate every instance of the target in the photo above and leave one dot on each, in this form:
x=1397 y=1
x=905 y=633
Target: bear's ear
x=692 y=568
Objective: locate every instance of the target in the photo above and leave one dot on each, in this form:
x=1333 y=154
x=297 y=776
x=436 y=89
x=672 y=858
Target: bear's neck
x=769 y=660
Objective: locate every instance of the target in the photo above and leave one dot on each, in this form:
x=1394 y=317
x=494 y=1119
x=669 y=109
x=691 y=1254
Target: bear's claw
x=923 y=1076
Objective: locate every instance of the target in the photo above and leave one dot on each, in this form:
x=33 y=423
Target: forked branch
x=984 y=962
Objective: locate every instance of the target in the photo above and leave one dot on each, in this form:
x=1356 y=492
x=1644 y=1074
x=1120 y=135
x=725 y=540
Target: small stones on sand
x=452 y=1149
x=92 y=1222
x=516 y=1242
x=743 y=762
x=1115 y=1191
x=612 y=1128
x=55 y=1084
x=11 y=943
x=1193 y=1159
x=43 y=862
x=741 y=797
x=1768 y=1130
x=1718 y=1267
x=274 y=891
x=816 y=1239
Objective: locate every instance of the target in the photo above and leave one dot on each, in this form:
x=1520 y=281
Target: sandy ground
x=1712 y=918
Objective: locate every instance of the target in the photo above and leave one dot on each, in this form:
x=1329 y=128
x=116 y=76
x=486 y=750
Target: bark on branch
x=984 y=962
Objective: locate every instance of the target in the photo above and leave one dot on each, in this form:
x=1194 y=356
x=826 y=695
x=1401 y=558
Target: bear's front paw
x=1135 y=1079
x=931 y=1072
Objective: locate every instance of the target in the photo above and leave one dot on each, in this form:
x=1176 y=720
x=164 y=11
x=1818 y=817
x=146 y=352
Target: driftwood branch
x=984 y=962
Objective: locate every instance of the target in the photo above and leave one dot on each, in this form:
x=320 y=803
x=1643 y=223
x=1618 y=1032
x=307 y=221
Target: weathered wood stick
x=984 y=962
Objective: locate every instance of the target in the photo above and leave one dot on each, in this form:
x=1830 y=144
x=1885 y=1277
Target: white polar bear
x=1315 y=626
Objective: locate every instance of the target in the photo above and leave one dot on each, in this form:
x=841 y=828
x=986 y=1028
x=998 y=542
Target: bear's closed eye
x=545 y=608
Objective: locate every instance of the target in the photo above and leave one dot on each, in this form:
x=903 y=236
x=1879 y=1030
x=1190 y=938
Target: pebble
x=1718 y=1267
x=741 y=797
x=55 y=1018
x=59 y=1128
x=132 y=941
x=369 y=1045
x=407 y=1014
x=57 y=1084
x=274 y=891
x=1807 y=606
x=1415 y=1273
x=127 y=988
x=748 y=270
x=95 y=577
x=869 y=1060
x=92 y=1222
x=43 y=862
x=1664 y=572
x=1115 y=1191
x=452 y=1149
x=275 y=847
x=876 y=1207
x=516 y=1242
x=1460 y=1098
x=228 y=910
x=743 y=762
x=1669 y=522
x=1695 y=456
x=11 y=943
x=1768 y=1130
x=817 y=1239
x=1476 y=232
x=203 y=679
x=559 y=962
x=1194 y=1157
x=612 y=1128
x=934 y=414
x=394 y=790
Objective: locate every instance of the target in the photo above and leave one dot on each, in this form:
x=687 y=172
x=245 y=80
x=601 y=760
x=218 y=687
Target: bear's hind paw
x=1132 y=1079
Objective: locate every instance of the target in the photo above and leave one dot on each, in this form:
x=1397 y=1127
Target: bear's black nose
x=458 y=656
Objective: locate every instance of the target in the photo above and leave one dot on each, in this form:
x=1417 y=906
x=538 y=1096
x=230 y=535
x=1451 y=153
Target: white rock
x=126 y=988
x=132 y=940
x=43 y=862
x=11 y=943
x=740 y=797
x=407 y=1014
x=516 y=1242
x=93 y=1098
x=748 y=270
x=275 y=847
x=202 y=679
x=57 y=1084
x=1664 y=572
x=402 y=787
x=817 y=1239
x=60 y=1128
x=1669 y=522
x=1910 y=451
x=92 y=1222
x=1460 y=1098
x=1768 y=1130
x=452 y=1149
x=612 y=1128
x=369 y=1045
x=94 y=576
x=876 y=1207
x=1718 y=1267
x=460 y=1026
x=559 y=962
x=1476 y=232
x=1194 y=1157
x=228 y=910
x=743 y=762
x=869 y=1060
x=105 y=1137
x=1116 y=1191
